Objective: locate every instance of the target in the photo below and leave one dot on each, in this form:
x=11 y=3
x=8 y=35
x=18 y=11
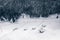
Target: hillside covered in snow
x=29 y=19
x=31 y=29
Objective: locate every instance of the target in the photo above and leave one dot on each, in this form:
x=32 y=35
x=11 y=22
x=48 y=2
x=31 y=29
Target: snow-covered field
x=29 y=29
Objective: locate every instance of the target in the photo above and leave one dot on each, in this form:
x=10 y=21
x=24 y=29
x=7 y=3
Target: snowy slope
x=29 y=29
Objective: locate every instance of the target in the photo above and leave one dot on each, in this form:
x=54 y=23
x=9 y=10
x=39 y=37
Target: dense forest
x=12 y=9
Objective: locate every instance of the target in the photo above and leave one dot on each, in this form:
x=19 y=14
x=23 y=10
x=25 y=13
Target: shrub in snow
x=33 y=28
x=41 y=30
x=25 y=29
x=15 y=29
x=57 y=17
x=43 y=25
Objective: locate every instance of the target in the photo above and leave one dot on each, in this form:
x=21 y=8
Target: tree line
x=12 y=9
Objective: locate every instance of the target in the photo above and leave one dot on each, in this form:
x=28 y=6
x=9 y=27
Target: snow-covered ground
x=29 y=29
